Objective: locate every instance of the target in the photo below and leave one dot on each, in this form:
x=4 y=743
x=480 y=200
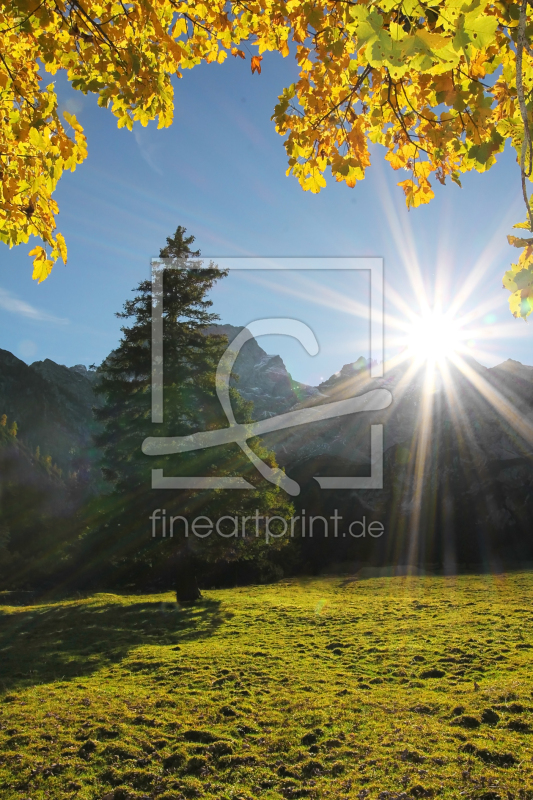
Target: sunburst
x=434 y=336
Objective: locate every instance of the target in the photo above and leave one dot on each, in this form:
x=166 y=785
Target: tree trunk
x=187 y=590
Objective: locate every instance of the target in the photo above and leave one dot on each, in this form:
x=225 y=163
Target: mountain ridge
x=457 y=455
x=52 y=405
x=61 y=423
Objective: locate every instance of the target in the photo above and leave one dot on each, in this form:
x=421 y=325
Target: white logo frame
x=373 y=400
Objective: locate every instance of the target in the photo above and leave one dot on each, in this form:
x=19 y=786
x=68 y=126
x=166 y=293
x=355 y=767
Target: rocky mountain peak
x=345 y=377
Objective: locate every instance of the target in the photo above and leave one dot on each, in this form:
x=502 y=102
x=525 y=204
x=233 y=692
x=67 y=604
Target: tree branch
x=521 y=42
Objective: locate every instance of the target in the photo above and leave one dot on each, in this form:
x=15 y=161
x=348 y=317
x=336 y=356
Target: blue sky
x=220 y=172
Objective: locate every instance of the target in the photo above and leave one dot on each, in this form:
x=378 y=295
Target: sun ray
x=505 y=408
x=306 y=289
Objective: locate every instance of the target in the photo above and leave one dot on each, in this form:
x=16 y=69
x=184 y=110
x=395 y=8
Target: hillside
x=457 y=467
x=52 y=405
x=35 y=502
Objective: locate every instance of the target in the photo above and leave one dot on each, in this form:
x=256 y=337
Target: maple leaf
x=235 y=52
x=256 y=64
x=516 y=241
x=42 y=265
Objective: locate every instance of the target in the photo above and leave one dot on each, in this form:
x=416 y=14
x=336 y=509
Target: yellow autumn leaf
x=42 y=265
x=314 y=182
x=516 y=241
x=520 y=305
x=62 y=247
x=179 y=27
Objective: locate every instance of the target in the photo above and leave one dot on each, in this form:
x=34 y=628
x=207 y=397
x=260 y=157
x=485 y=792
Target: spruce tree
x=191 y=355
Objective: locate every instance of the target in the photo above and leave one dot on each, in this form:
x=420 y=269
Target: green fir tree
x=190 y=404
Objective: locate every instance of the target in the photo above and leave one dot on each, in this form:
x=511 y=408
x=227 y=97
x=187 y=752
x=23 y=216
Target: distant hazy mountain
x=459 y=450
x=458 y=466
x=53 y=404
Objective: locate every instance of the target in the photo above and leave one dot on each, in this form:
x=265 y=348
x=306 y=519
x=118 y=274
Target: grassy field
x=337 y=688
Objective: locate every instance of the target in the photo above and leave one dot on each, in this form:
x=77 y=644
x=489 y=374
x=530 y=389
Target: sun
x=433 y=337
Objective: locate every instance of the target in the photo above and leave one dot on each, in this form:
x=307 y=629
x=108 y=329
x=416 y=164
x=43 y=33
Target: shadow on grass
x=74 y=639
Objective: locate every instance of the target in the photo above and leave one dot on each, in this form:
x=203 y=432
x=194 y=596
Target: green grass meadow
x=333 y=688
